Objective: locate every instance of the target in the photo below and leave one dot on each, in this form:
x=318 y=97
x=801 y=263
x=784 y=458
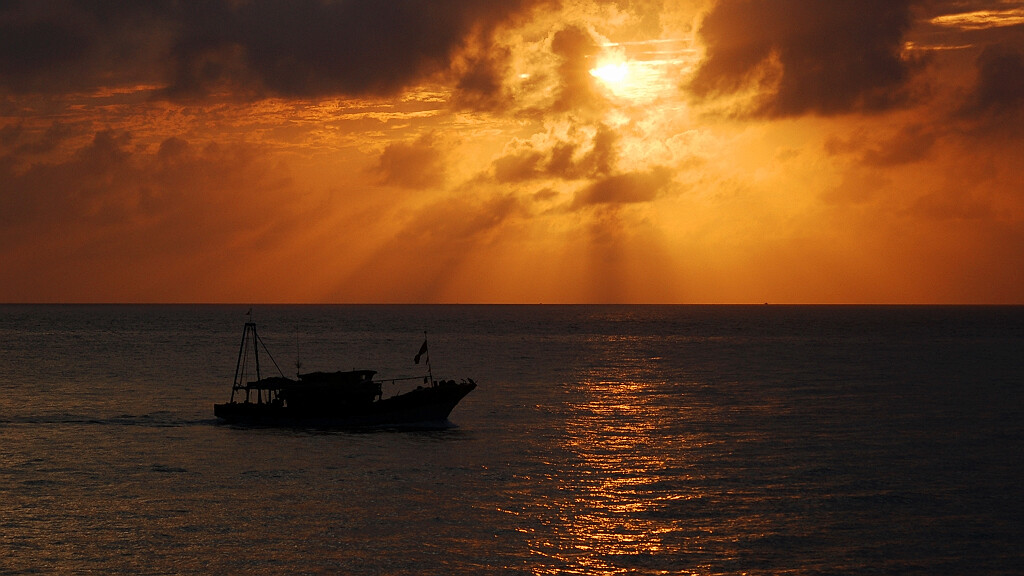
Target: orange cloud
x=625 y=188
x=312 y=151
x=416 y=165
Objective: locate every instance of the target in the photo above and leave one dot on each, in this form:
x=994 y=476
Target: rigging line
x=269 y=355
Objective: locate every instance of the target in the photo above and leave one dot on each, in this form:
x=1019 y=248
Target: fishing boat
x=344 y=399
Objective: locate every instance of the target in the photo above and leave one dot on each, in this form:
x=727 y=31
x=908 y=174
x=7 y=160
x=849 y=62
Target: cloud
x=585 y=153
x=629 y=188
x=981 y=19
x=123 y=220
x=301 y=48
x=999 y=90
x=575 y=47
x=18 y=143
x=80 y=188
x=519 y=166
x=473 y=135
x=60 y=47
x=481 y=77
x=29 y=48
x=806 y=56
x=412 y=165
x=910 y=144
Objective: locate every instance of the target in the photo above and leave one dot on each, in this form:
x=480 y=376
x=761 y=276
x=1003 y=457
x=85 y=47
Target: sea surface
x=601 y=440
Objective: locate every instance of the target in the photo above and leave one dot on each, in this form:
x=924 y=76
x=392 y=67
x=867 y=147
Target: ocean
x=600 y=440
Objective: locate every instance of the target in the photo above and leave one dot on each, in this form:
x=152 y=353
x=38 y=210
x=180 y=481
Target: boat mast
x=243 y=358
x=298 y=355
x=238 y=365
x=255 y=350
x=250 y=338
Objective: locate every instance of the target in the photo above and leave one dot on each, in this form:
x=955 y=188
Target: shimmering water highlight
x=602 y=440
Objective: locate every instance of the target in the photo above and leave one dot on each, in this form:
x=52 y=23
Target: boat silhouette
x=343 y=399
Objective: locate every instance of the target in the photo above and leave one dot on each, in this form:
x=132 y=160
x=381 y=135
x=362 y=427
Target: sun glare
x=631 y=80
x=612 y=74
x=641 y=71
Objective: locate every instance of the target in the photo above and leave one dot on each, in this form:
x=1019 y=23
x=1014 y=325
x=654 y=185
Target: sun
x=636 y=81
x=638 y=72
x=626 y=80
x=612 y=74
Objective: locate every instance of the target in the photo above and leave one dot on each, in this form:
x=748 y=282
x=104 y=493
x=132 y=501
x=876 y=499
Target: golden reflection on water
x=612 y=485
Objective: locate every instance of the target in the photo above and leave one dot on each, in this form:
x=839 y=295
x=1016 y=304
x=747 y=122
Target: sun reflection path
x=609 y=521
x=653 y=466
x=621 y=474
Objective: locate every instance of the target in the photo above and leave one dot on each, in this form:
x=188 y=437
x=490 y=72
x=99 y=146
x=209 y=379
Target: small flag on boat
x=423 y=350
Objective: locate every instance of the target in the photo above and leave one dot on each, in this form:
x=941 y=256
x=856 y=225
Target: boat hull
x=424 y=407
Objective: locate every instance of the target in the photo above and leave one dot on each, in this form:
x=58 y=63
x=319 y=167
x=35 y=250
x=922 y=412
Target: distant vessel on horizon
x=343 y=399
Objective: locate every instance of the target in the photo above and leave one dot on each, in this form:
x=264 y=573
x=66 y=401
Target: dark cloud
x=999 y=90
x=519 y=166
x=171 y=149
x=912 y=143
x=604 y=154
x=480 y=85
x=575 y=46
x=28 y=48
x=808 y=56
x=85 y=187
x=629 y=188
x=412 y=165
x=110 y=182
x=280 y=47
x=566 y=160
x=74 y=45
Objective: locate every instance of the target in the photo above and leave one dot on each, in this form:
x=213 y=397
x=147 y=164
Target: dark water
x=602 y=440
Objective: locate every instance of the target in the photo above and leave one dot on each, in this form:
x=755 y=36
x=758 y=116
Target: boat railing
x=395 y=386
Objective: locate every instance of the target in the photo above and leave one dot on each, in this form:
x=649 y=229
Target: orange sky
x=646 y=151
